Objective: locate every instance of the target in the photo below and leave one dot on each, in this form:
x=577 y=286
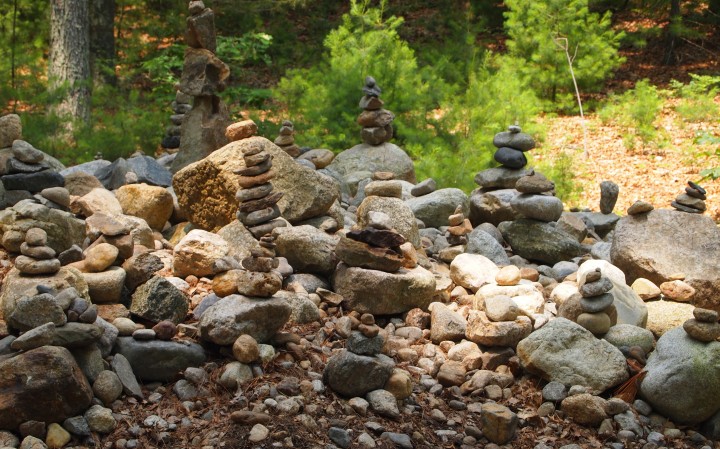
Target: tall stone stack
x=36 y=257
x=258 y=209
x=203 y=78
x=261 y=280
x=376 y=122
x=459 y=227
x=180 y=106
x=511 y=147
x=692 y=201
x=596 y=303
x=286 y=139
x=28 y=170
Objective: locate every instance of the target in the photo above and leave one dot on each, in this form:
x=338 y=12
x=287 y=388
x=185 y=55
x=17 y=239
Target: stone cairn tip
x=258 y=209
x=459 y=227
x=241 y=130
x=36 y=257
x=286 y=139
x=511 y=146
x=376 y=122
x=692 y=201
x=704 y=327
x=261 y=278
x=597 y=303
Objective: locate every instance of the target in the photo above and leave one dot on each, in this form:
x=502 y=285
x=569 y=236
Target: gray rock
x=681 y=381
x=492 y=206
x=121 y=366
x=308 y=281
x=307 y=249
x=100 y=419
x=554 y=391
x=538 y=207
x=601 y=223
x=107 y=387
x=63 y=228
x=90 y=168
x=424 y=187
x=383 y=403
x=148 y=171
x=234 y=375
x=158 y=300
x=106 y=287
x=34 y=338
x=629 y=335
x=481 y=242
x=435 y=208
x=33 y=182
x=401 y=216
x=235 y=315
x=159 y=360
x=401 y=440
x=303 y=309
x=445 y=324
x=565 y=352
x=359 y=344
x=517 y=140
x=351 y=375
x=33 y=311
x=90 y=361
x=536 y=240
x=25 y=152
x=608 y=196
x=77 y=335
x=109 y=335
x=340 y=437
x=500 y=177
x=646 y=246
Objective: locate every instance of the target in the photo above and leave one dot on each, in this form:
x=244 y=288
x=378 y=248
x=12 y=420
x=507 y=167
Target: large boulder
x=43 y=384
x=401 y=216
x=434 y=208
x=682 y=379
x=151 y=203
x=565 y=352
x=361 y=161
x=661 y=243
x=63 y=229
x=352 y=375
x=492 y=206
x=306 y=248
x=539 y=241
x=159 y=300
x=630 y=308
x=158 y=360
x=401 y=291
x=235 y=315
x=206 y=189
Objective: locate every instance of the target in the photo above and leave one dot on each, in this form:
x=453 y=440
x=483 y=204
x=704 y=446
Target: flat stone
x=158 y=360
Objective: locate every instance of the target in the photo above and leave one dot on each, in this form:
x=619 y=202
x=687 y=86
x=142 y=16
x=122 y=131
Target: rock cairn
x=704 y=327
x=180 y=106
x=511 y=147
x=596 y=303
x=203 y=77
x=459 y=227
x=286 y=139
x=376 y=122
x=375 y=248
x=261 y=279
x=258 y=208
x=27 y=170
x=692 y=201
x=536 y=200
x=37 y=258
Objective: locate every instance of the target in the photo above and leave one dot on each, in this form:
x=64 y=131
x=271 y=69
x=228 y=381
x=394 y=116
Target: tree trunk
x=673 y=34
x=102 y=41
x=69 y=67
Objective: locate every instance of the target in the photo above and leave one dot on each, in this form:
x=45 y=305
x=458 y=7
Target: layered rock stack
x=286 y=139
x=692 y=201
x=261 y=280
x=180 y=106
x=376 y=122
x=203 y=78
x=27 y=170
x=371 y=248
x=511 y=147
x=536 y=200
x=258 y=209
x=596 y=303
x=37 y=258
x=459 y=228
x=704 y=327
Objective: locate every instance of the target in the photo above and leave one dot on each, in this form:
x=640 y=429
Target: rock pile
x=286 y=139
x=180 y=106
x=376 y=122
x=704 y=327
x=692 y=201
x=372 y=248
x=37 y=258
x=459 y=228
x=596 y=303
x=261 y=280
x=511 y=146
x=30 y=171
x=536 y=200
x=258 y=209
x=203 y=78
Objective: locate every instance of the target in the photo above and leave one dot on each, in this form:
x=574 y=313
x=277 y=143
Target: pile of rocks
x=372 y=248
x=203 y=127
x=258 y=209
x=261 y=280
x=692 y=201
x=180 y=106
x=286 y=139
x=704 y=326
x=376 y=121
x=459 y=228
x=37 y=258
x=511 y=146
x=598 y=312
x=536 y=200
x=28 y=171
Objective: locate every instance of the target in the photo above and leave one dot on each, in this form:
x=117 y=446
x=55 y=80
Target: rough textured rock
x=445 y=324
x=63 y=229
x=540 y=241
x=306 y=248
x=158 y=300
x=565 y=352
x=10 y=129
x=361 y=161
x=481 y=242
x=472 y=271
x=234 y=315
x=434 y=208
x=403 y=290
x=95 y=201
x=151 y=203
x=640 y=249
x=682 y=381
x=352 y=375
x=196 y=253
x=492 y=206
x=44 y=384
x=157 y=360
x=585 y=409
x=206 y=189
x=502 y=333
x=402 y=219
x=202 y=131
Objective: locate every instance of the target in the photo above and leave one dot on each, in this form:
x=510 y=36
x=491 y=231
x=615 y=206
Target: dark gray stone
x=351 y=375
x=158 y=360
x=480 y=242
x=33 y=182
x=149 y=171
x=519 y=141
x=510 y=158
x=608 y=196
x=121 y=366
x=113 y=176
x=535 y=240
x=359 y=344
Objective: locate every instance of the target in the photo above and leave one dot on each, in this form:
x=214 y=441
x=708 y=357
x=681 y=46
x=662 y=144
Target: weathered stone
x=307 y=249
x=492 y=206
x=435 y=208
x=235 y=315
x=540 y=241
x=503 y=333
x=10 y=129
x=196 y=253
x=158 y=300
x=158 y=360
x=151 y=203
x=498 y=423
x=352 y=375
x=63 y=228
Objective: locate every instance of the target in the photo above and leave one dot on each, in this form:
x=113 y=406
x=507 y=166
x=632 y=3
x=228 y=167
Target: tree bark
x=69 y=67
x=673 y=34
x=102 y=41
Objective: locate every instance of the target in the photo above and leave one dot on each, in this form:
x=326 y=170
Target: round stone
x=509 y=275
x=640 y=207
x=165 y=330
x=705 y=332
x=107 y=386
x=36 y=237
x=596 y=288
x=597 y=323
x=125 y=326
x=535 y=183
x=510 y=157
x=596 y=303
x=100 y=257
x=245 y=349
x=705 y=315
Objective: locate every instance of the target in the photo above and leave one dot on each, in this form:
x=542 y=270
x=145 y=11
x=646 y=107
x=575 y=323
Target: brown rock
x=677 y=291
x=151 y=203
x=245 y=349
x=585 y=409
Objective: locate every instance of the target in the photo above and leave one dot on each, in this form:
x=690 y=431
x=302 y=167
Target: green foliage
x=533 y=29
x=323 y=100
x=562 y=170
x=696 y=98
x=636 y=110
